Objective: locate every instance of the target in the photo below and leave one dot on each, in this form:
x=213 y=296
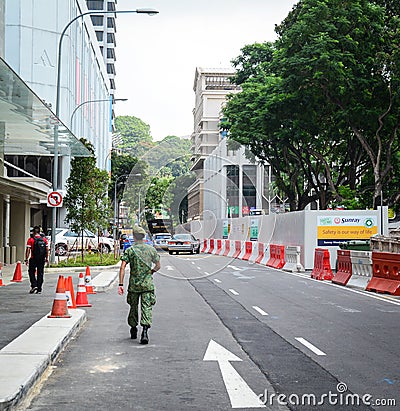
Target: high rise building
x=105 y=28
x=211 y=86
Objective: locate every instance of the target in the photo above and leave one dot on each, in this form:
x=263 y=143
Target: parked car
x=129 y=240
x=183 y=242
x=68 y=240
x=161 y=240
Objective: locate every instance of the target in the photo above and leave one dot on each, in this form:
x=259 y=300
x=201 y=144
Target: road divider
x=344 y=268
x=385 y=273
x=293 y=259
x=322 y=267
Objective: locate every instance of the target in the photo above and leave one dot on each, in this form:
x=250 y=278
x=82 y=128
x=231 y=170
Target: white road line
x=169 y=268
x=311 y=347
x=365 y=293
x=262 y=312
x=217 y=281
x=233 y=291
x=234 y=268
x=206 y=273
x=193 y=262
x=199 y=268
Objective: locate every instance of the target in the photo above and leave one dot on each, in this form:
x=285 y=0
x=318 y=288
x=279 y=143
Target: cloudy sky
x=157 y=56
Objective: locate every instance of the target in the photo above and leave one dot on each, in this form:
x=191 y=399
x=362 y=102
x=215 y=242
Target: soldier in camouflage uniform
x=140 y=257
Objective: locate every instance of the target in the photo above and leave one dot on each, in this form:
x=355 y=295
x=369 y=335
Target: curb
x=79 y=269
x=23 y=363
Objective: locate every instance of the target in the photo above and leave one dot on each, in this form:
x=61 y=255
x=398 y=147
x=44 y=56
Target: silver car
x=183 y=242
x=161 y=240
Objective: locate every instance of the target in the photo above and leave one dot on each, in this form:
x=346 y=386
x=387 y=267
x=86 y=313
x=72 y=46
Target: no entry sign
x=54 y=199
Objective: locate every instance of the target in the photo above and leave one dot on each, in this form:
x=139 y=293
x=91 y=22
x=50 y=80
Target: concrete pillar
x=6 y=240
x=19 y=227
x=7 y=255
x=13 y=254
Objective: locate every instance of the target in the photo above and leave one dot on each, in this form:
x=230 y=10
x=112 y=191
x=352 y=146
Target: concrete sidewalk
x=29 y=341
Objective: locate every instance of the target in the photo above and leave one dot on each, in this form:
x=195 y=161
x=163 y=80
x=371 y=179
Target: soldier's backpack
x=39 y=249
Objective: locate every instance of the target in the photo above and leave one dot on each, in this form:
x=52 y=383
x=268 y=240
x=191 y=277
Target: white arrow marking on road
x=169 y=267
x=233 y=291
x=261 y=311
x=234 y=268
x=240 y=394
x=216 y=280
x=311 y=347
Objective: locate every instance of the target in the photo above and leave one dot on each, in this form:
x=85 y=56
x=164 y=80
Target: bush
x=89 y=259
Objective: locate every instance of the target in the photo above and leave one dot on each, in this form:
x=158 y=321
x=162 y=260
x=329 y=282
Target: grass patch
x=89 y=259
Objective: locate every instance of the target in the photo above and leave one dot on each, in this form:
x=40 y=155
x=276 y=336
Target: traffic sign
x=54 y=199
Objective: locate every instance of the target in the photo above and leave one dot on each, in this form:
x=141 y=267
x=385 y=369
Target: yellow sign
x=346 y=232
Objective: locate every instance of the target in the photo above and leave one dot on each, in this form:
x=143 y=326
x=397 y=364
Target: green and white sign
x=253 y=230
x=225 y=229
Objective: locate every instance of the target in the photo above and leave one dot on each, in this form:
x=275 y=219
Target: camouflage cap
x=138 y=230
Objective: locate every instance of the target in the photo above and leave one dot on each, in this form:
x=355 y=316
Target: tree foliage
x=87 y=205
x=321 y=104
x=135 y=136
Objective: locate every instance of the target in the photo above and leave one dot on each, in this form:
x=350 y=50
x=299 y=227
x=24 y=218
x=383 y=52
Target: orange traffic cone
x=69 y=291
x=81 y=296
x=17 y=273
x=88 y=282
x=1 y=275
x=60 y=309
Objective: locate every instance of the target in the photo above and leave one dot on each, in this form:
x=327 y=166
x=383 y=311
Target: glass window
x=99 y=35
x=97 y=20
x=95 y=4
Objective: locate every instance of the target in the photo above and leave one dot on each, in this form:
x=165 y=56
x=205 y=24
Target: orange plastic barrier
x=227 y=247
x=272 y=255
x=219 y=247
x=204 y=246
x=248 y=250
x=238 y=248
x=280 y=256
x=344 y=268
x=276 y=256
x=322 y=265
x=260 y=253
x=211 y=246
x=385 y=273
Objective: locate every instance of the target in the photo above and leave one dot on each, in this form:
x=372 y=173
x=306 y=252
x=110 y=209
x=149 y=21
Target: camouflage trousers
x=147 y=300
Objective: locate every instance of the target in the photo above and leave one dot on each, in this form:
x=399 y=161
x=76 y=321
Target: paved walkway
x=29 y=341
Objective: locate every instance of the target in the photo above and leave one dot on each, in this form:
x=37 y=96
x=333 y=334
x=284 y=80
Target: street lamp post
x=91 y=101
x=149 y=12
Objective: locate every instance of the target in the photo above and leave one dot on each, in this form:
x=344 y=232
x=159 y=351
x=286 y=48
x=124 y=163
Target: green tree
x=324 y=109
x=135 y=135
x=87 y=205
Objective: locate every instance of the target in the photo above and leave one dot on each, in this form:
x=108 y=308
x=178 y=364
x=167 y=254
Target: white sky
x=157 y=56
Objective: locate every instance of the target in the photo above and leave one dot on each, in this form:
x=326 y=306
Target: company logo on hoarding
x=325 y=221
x=368 y=222
x=337 y=220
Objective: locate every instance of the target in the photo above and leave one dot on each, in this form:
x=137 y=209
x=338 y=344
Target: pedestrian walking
x=140 y=257
x=36 y=255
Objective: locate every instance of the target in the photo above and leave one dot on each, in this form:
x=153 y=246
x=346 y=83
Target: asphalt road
x=295 y=336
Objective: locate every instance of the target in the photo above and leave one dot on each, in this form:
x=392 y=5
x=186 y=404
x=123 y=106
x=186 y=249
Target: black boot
x=133 y=333
x=144 y=339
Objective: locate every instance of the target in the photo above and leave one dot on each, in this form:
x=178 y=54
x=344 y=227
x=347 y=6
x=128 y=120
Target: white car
x=68 y=240
x=161 y=240
x=183 y=242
